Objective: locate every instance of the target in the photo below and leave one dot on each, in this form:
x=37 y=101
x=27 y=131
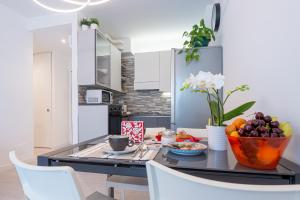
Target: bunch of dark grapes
x=261 y=126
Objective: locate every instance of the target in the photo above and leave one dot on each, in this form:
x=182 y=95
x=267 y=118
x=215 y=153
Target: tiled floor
x=10 y=188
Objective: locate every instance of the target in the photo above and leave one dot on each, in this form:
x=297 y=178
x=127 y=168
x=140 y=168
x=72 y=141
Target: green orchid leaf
x=238 y=111
x=214 y=108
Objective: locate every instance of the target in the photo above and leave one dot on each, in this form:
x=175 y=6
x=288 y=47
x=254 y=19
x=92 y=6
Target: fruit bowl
x=258 y=152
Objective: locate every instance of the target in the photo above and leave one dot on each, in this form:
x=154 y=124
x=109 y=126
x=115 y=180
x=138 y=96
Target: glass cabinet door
x=103 y=54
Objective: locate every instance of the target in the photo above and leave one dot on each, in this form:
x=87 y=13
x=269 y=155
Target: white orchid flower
x=205 y=81
x=218 y=81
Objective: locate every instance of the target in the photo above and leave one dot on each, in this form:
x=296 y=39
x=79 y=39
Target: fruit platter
x=259 y=142
x=187 y=148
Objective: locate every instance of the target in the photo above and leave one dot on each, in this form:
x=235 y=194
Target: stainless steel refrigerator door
x=190 y=110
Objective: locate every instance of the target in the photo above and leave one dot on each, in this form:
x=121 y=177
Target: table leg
x=110 y=190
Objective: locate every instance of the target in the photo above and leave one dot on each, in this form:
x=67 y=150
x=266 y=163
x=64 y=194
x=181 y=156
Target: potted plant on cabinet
x=199 y=36
x=94 y=23
x=211 y=85
x=85 y=24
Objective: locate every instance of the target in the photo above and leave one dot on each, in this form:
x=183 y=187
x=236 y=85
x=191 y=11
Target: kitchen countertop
x=94 y=104
x=147 y=114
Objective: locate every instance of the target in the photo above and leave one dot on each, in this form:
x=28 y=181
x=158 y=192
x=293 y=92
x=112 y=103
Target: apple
x=287 y=129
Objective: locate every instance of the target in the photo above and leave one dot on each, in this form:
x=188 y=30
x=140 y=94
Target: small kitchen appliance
x=98 y=96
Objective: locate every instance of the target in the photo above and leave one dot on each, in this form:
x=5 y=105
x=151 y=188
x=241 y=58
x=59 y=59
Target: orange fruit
x=234 y=134
x=230 y=128
x=238 y=122
x=242 y=126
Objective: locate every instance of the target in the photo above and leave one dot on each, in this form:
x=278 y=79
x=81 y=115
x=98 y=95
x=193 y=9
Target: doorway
x=52 y=86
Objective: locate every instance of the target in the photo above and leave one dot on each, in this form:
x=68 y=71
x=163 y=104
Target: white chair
x=202 y=133
x=49 y=183
x=166 y=184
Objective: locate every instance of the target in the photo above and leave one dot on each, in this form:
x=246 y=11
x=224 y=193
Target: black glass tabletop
x=221 y=161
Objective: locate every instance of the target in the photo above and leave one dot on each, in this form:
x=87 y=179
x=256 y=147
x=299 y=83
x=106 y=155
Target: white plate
x=127 y=150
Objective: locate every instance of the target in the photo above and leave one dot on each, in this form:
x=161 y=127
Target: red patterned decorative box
x=134 y=129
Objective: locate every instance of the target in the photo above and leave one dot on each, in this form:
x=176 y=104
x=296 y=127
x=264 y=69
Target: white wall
x=261 y=41
x=16 y=104
x=152 y=43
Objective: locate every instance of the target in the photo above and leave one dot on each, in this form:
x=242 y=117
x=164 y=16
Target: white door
x=42 y=76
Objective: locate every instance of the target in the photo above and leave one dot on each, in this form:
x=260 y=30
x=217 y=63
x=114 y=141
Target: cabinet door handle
x=48 y=109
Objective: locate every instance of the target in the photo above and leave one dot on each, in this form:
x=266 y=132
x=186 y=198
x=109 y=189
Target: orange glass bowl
x=258 y=152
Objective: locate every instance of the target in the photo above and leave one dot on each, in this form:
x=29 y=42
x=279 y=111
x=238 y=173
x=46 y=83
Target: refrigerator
x=191 y=110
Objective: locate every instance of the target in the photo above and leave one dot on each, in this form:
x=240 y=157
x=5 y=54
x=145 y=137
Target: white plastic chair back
x=165 y=184
x=194 y=132
x=47 y=183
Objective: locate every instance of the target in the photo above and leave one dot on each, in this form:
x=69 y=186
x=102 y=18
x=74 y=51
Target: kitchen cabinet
x=99 y=61
x=92 y=121
x=115 y=69
x=153 y=71
x=165 y=71
x=146 y=71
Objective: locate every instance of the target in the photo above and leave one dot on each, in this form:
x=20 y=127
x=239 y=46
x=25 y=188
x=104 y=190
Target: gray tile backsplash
x=142 y=101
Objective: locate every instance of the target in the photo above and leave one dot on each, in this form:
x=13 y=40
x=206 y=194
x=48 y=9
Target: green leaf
x=238 y=111
x=196 y=38
x=202 y=23
x=185 y=33
x=188 y=58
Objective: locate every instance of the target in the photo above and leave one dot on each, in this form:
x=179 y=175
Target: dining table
x=214 y=165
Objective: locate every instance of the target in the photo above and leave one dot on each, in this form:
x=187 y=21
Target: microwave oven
x=98 y=96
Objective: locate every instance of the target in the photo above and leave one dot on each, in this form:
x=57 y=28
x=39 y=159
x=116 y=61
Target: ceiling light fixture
x=92 y=3
x=82 y=5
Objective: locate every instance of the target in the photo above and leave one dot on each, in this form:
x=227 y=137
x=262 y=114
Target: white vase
x=94 y=26
x=217 y=139
x=84 y=27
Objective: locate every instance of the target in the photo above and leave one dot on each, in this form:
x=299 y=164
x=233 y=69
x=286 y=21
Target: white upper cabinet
x=153 y=71
x=115 y=69
x=86 y=58
x=99 y=61
x=165 y=71
x=146 y=71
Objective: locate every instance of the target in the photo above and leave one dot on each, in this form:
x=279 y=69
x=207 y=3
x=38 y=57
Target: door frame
x=57 y=20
